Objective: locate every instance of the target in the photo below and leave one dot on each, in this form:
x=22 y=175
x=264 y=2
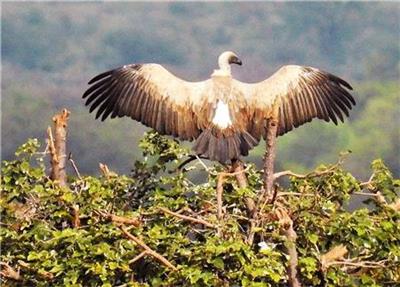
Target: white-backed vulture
x=226 y=117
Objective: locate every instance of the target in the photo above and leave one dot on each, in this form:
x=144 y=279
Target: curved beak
x=235 y=60
x=239 y=62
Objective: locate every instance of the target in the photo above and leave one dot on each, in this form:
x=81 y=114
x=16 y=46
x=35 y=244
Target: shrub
x=95 y=232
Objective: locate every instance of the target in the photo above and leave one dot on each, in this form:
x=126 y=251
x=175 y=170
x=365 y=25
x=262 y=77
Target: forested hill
x=51 y=50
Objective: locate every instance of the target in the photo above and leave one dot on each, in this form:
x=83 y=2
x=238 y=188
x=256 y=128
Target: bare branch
x=119 y=219
x=148 y=250
x=74 y=166
x=313 y=173
x=308 y=175
x=188 y=218
x=363 y=264
x=138 y=257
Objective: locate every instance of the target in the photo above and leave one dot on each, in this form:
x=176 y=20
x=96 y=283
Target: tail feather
x=223 y=148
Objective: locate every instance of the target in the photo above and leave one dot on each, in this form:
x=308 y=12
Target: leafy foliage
x=41 y=239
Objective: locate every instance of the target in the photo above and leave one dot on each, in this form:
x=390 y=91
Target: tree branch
x=311 y=174
x=240 y=173
x=138 y=257
x=74 y=166
x=57 y=147
x=119 y=219
x=286 y=224
x=269 y=158
x=187 y=218
x=148 y=250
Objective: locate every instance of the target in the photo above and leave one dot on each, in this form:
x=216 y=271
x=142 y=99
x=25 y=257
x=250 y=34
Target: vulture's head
x=227 y=58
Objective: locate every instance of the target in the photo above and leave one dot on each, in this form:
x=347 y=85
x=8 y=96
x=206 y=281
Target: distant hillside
x=50 y=50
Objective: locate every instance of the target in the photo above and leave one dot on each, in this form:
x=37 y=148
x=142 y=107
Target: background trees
x=50 y=51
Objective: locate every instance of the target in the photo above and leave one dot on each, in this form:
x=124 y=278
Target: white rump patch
x=222 y=118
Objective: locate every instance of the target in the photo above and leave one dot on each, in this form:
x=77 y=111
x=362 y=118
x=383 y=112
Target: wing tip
x=100 y=76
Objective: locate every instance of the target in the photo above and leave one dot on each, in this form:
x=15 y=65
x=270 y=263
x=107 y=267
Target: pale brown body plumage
x=150 y=94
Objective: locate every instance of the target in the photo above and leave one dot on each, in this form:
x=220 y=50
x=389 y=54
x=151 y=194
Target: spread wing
x=150 y=94
x=300 y=94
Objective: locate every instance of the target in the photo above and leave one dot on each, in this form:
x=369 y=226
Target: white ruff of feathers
x=222 y=118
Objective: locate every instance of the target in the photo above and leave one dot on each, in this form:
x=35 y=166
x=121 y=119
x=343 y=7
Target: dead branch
x=286 y=224
x=308 y=175
x=313 y=173
x=57 y=147
x=188 y=218
x=362 y=264
x=148 y=250
x=10 y=273
x=74 y=166
x=119 y=219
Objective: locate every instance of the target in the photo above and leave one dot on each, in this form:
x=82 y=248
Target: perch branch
x=269 y=158
x=188 y=218
x=148 y=250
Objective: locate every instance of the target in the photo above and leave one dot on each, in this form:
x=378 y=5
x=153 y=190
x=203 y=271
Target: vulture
x=224 y=116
